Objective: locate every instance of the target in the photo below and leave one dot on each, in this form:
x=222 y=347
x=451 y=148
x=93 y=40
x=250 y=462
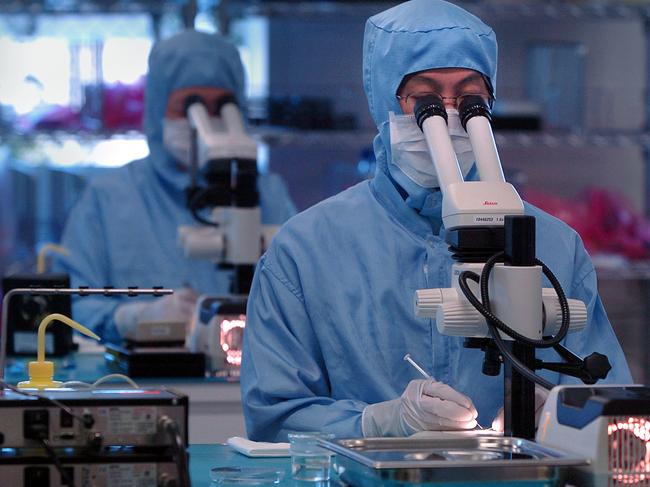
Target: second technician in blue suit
x=330 y=314
x=123 y=231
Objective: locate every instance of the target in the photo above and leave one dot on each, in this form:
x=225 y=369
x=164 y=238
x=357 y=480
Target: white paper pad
x=258 y=448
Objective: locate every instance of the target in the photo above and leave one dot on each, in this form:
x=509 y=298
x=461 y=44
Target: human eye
x=422 y=94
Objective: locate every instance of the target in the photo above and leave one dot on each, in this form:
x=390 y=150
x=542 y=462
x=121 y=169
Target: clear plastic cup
x=309 y=461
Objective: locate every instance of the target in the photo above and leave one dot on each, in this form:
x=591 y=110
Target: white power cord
x=75 y=384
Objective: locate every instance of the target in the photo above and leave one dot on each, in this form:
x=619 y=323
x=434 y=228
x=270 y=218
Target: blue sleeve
x=599 y=335
x=88 y=264
x=285 y=386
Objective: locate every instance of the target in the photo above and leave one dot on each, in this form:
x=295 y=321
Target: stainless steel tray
x=393 y=461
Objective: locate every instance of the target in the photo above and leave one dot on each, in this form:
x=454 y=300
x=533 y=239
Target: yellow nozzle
x=41 y=372
x=40 y=262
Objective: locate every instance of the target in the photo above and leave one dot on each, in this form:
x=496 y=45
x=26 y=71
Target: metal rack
x=538 y=9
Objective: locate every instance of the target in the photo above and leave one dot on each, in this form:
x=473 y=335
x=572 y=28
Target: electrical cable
x=76 y=384
x=171 y=428
x=516 y=363
x=57 y=462
x=85 y=385
x=86 y=421
x=200 y=219
x=194 y=208
x=108 y=377
x=564 y=306
x=484 y=306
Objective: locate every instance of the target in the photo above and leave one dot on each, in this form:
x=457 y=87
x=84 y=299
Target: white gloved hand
x=540 y=398
x=177 y=307
x=425 y=405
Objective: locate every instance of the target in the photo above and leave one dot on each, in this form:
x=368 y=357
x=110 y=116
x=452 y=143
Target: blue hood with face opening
x=412 y=37
x=187 y=59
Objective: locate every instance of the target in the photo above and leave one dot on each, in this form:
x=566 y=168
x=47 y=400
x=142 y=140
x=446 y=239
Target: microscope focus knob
x=597 y=366
x=553 y=313
x=459 y=318
x=427 y=301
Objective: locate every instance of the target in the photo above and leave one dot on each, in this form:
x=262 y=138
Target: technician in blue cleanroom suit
x=123 y=231
x=330 y=314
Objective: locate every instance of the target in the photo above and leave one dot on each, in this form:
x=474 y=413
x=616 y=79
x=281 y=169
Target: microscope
x=497 y=301
x=229 y=231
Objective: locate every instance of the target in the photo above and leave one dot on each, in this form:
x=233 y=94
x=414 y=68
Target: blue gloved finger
x=443 y=391
x=446 y=409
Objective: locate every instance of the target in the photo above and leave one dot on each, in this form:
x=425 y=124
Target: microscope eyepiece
x=191 y=100
x=473 y=106
x=224 y=100
x=428 y=106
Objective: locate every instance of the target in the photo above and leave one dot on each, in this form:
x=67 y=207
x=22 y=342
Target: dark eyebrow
x=472 y=78
x=424 y=79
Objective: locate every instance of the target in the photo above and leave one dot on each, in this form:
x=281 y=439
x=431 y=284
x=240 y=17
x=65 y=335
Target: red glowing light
x=629 y=450
x=231 y=338
x=234 y=357
x=227 y=325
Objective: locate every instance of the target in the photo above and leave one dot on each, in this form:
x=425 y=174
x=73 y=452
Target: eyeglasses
x=210 y=97
x=411 y=99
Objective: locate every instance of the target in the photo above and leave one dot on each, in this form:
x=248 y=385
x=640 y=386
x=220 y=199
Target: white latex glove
x=540 y=398
x=425 y=405
x=172 y=307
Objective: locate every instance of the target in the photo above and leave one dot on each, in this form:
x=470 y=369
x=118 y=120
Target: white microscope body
x=237 y=236
x=485 y=223
x=232 y=236
x=517 y=296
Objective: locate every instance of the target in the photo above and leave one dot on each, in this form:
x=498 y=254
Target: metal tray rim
x=562 y=458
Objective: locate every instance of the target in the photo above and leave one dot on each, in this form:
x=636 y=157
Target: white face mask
x=411 y=155
x=177 y=134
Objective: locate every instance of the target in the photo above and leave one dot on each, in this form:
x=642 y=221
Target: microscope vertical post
x=519 y=392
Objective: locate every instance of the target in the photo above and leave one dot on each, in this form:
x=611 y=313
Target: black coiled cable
x=495 y=324
x=494 y=332
x=194 y=206
x=484 y=306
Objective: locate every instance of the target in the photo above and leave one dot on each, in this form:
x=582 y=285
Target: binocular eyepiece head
x=470 y=106
x=218 y=104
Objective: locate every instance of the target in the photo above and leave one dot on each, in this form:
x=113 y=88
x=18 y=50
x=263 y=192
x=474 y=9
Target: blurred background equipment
x=133 y=435
x=26 y=312
x=218 y=332
x=228 y=229
x=75 y=430
x=608 y=425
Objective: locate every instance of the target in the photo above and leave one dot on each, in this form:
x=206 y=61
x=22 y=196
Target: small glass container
x=245 y=476
x=310 y=462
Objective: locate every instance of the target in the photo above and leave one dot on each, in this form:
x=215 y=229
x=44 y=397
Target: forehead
x=443 y=77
